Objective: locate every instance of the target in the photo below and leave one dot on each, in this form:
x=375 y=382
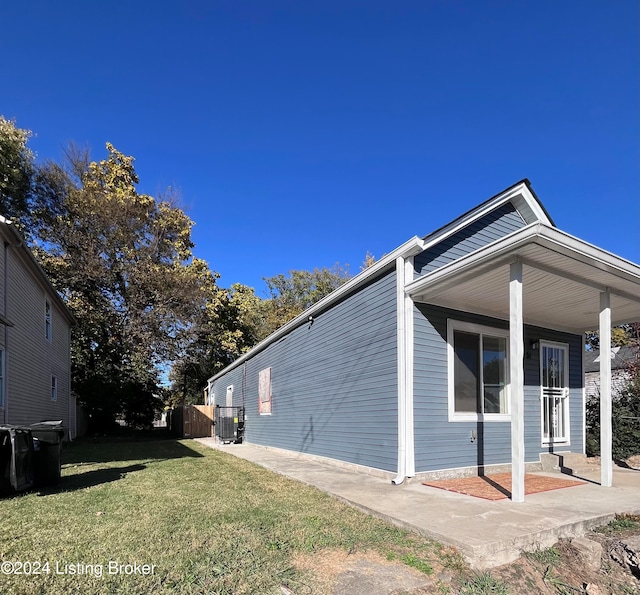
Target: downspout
x=401 y=361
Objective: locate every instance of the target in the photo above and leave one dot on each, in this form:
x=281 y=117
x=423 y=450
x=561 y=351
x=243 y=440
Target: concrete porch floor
x=487 y=533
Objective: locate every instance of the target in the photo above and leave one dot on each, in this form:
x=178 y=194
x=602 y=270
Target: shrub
x=625 y=420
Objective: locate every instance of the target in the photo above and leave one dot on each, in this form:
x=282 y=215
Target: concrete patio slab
x=487 y=533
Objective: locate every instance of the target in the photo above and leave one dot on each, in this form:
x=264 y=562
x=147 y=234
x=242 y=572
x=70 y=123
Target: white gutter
x=409 y=248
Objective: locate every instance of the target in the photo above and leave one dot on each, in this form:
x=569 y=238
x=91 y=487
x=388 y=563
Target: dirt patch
x=336 y=572
x=559 y=570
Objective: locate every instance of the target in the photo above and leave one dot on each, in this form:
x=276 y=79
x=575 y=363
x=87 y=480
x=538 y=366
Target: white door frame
x=558 y=395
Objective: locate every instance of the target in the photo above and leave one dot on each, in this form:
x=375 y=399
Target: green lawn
x=183 y=519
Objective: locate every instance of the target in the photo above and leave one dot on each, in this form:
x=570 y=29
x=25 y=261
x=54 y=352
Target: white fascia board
x=410 y=248
x=529 y=206
x=502 y=247
x=523 y=201
x=580 y=250
x=543 y=235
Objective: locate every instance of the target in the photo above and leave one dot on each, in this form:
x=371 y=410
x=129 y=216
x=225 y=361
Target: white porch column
x=516 y=379
x=606 y=433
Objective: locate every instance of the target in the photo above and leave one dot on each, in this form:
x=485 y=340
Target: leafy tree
x=291 y=295
x=223 y=330
x=369 y=261
x=16 y=172
x=123 y=263
x=620 y=336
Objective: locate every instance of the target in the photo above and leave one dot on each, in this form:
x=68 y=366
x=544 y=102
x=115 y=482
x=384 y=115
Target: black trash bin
x=47 y=450
x=16 y=459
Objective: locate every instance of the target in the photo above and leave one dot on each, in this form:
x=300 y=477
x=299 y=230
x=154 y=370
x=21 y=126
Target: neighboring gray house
x=621 y=360
x=456 y=352
x=35 y=362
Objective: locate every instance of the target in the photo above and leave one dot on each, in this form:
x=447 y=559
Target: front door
x=554 y=382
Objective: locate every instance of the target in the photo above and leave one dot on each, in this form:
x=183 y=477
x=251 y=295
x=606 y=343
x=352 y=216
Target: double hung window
x=478 y=372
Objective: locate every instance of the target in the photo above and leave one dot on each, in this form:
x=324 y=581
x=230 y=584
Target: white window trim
x=543 y=442
x=478 y=329
x=54 y=388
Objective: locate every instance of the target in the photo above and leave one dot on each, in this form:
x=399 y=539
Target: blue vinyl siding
x=493 y=226
x=440 y=444
x=334 y=384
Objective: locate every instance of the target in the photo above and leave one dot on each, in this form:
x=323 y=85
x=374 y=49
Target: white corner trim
x=405 y=350
x=409 y=357
x=401 y=372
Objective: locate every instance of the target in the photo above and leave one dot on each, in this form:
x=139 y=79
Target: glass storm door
x=554 y=381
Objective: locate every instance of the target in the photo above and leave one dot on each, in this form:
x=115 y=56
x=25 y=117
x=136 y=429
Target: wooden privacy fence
x=192 y=421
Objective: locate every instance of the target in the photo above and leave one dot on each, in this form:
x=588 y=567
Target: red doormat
x=498 y=487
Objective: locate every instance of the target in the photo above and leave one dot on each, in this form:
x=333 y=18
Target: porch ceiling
x=563 y=278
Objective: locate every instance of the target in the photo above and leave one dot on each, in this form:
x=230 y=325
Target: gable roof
x=520 y=194
x=17 y=241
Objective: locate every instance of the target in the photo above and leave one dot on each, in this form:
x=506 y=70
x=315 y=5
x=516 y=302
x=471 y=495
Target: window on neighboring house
x=2 y=389
x=54 y=388
x=47 y=320
x=477 y=372
x=264 y=392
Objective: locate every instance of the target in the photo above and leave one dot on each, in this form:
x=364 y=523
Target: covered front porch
x=544 y=277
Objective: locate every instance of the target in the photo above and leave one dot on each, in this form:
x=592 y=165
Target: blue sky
x=305 y=133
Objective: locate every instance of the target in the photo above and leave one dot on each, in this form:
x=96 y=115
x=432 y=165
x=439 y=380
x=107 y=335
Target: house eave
x=557 y=264
x=19 y=243
x=410 y=248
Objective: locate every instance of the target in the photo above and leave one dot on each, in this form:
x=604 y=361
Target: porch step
x=565 y=462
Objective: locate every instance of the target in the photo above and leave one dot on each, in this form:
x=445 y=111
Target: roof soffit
x=565 y=277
